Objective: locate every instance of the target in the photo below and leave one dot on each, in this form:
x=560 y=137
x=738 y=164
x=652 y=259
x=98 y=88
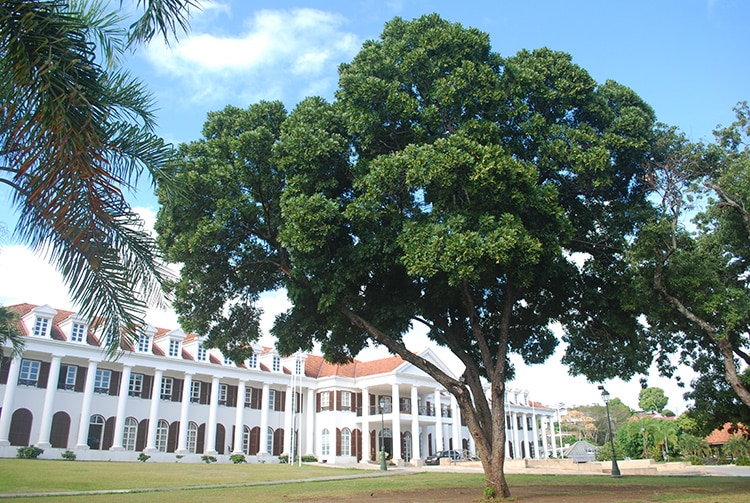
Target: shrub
x=30 y=452
x=208 y=459
x=309 y=459
x=143 y=457
x=742 y=461
x=284 y=459
x=68 y=456
x=695 y=460
x=237 y=459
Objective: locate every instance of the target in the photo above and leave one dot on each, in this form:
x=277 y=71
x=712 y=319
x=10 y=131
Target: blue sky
x=687 y=58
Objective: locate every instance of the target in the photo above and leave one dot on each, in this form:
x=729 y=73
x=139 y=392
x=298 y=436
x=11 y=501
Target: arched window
x=192 y=436
x=325 y=443
x=162 y=432
x=130 y=433
x=406 y=448
x=246 y=439
x=60 y=430
x=346 y=442
x=96 y=432
x=269 y=440
x=20 y=427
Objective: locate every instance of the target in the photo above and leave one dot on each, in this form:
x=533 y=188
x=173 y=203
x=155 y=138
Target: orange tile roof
x=720 y=436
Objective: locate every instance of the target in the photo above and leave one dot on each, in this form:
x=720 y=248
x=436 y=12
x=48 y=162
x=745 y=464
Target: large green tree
x=652 y=399
x=480 y=197
x=76 y=131
x=694 y=257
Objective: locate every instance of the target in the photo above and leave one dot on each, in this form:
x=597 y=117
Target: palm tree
x=76 y=130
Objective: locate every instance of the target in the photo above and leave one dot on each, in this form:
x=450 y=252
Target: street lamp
x=605 y=398
x=383 y=466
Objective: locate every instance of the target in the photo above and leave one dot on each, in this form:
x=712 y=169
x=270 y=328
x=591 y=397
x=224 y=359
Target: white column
x=153 y=415
x=49 y=403
x=438 y=422
x=122 y=401
x=365 y=425
x=264 y=421
x=457 y=442
x=239 y=418
x=516 y=443
x=213 y=408
x=525 y=434
x=545 y=422
x=187 y=387
x=415 y=456
x=288 y=422
x=396 y=422
x=535 y=436
x=10 y=392
x=310 y=423
x=554 y=442
x=88 y=395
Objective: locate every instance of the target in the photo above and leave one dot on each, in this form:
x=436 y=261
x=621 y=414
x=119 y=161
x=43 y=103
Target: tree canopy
x=652 y=400
x=75 y=131
x=479 y=196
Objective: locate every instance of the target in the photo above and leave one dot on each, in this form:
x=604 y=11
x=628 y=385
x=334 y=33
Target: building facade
x=173 y=399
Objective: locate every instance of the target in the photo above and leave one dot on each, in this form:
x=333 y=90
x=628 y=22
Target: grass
x=181 y=482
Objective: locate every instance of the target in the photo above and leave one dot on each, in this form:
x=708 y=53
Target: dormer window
x=144 y=343
x=77 y=332
x=174 y=348
x=276 y=364
x=298 y=367
x=202 y=354
x=252 y=362
x=41 y=327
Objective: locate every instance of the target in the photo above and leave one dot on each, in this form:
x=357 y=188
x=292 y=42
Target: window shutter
x=201 y=440
x=254 y=441
x=280 y=401
x=114 y=382
x=109 y=433
x=43 y=375
x=338 y=442
x=172 y=437
x=205 y=393
x=317 y=402
x=177 y=385
x=146 y=387
x=257 y=399
x=81 y=379
x=61 y=376
x=232 y=397
x=338 y=401
x=140 y=438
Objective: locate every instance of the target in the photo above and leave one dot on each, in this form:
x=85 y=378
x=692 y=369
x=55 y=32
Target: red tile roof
x=720 y=436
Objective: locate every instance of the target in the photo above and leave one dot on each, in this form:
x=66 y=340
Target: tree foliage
x=446 y=186
x=652 y=400
x=691 y=258
x=75 y=131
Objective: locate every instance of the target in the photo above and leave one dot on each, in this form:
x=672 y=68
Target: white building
x=63 y=393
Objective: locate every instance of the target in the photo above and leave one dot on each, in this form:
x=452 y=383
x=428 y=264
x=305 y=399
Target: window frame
x=167 y=387
x=77 y=332
x=135 y=385
x=41 y=326
x=102 y=376
x=28 y=374
x=71 y=375
x=174 y=348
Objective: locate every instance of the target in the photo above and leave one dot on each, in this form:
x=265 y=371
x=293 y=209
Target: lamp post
x=383 y=466
x=605 y=398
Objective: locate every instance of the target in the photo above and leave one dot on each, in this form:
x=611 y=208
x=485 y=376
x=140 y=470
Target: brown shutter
x=280 y=401
x=373 y=444
x=172 y=438
x=177 y=385
x=61 y=376
x=232 y=397
x=43 y=375
x=201 y=441
x=146 y=386
x=4 y=364
x=257 y=398
x=317 y=402
x=338 y=400
x=140 y=438
x=220 y=437
x=338 y=442
x=254 y=441
x=109 y=433
x=278 y=441
x=114 y=383
x=299 y=403
x=81 y=379
x=205 y=393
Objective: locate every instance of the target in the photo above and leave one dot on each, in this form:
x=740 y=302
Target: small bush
x=284 y=459
x=309 y=459
x=208 y=459
x=237 y=459
x=68 y=456
x=742 y=461
x=143 y=457
x=695 y=460
x=30 y=452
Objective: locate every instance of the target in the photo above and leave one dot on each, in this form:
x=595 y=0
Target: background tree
x=619 y=414
x=697 y=265
x=652 y=400
x=75 y=131
x=648 y=438
x=445 y=187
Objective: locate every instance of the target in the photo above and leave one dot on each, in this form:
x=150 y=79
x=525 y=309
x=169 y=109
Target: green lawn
x=181 y=482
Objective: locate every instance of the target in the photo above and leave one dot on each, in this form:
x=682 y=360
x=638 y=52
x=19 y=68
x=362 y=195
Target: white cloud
x=278 y=51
